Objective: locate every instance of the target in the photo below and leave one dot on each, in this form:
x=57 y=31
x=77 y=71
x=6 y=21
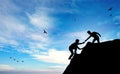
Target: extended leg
x=71 y=54
x=98 y=40
x=93 y=41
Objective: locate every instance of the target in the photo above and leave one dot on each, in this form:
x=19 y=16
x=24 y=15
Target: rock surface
x=96 y=58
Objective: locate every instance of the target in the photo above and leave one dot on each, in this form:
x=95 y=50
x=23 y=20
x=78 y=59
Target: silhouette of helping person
x=73 y=48
x=95 y=35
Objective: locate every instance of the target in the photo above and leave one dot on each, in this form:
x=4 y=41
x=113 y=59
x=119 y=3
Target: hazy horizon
x=30 y=72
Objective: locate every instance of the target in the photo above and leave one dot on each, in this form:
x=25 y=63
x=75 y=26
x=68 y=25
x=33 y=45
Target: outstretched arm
x=99 y=34
x=79 y=48
x=86 y=39
x=81 y=43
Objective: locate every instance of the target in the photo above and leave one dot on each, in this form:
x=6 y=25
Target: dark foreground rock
x=96 y=58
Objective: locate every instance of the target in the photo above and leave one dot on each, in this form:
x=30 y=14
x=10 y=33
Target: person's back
x=95 y=35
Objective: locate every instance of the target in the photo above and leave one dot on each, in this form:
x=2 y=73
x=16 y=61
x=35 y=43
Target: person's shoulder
x=94 y=32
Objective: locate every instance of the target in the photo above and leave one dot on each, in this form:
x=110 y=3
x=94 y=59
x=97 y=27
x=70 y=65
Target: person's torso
x=94 y=34
x=73 y=46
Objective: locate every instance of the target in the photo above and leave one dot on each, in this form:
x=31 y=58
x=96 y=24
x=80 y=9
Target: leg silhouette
x=93 y=41
x=71 y=54
x=98 y=40
x=75 y=51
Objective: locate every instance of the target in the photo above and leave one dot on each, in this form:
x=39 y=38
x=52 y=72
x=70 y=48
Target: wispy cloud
x=54 y=56
x=41 y=18
x=8 y=7
x=38 y=37
x=11 y=24
x=48 y=55
x=4 y=67
x=10 y=28
x=57 y=66
x=12 y=31
x=8 y=41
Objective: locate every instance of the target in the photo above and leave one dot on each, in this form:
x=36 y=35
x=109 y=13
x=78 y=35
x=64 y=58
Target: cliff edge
x=96 y=58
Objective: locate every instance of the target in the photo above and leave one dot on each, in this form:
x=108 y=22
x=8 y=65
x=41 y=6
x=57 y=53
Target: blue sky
x=22 y=23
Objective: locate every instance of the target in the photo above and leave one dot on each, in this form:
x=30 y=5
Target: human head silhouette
x=88 y=32
x=77 y=40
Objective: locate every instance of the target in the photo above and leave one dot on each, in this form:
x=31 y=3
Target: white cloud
x=38 y=37
x=7 y=6
x=54 y=56
x=50 y=56
x=26 y=51
x=8 y=41
x=11 y=29
x=39 y=41
x=38 y=45
x=10 y=24
x=56 y=67
x=41 y=18
x=4 y=67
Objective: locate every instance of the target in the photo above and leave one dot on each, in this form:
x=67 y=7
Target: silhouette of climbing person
x=95 y=35
x=74 y=46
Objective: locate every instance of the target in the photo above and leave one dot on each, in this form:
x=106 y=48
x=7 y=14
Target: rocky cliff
x=96 y=58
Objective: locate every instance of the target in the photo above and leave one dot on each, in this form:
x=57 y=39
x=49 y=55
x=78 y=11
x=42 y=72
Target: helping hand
x=79 y=48
x=83 y=42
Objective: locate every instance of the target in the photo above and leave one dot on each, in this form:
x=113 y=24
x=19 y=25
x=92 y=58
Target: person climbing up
x=74 y=46
x=95 y=35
